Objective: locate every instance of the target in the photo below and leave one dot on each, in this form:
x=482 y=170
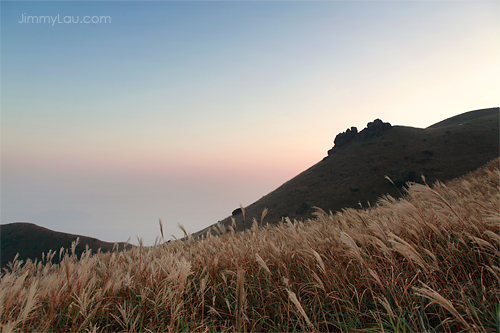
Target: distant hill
x=31 y=240
x=484 y=115
x=353 y=172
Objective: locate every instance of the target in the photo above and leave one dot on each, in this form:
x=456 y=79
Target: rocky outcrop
x=302 y=209
x=372 y=129
x=346 y=137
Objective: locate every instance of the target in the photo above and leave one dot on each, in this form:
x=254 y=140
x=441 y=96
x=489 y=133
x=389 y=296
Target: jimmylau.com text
x=64 y=19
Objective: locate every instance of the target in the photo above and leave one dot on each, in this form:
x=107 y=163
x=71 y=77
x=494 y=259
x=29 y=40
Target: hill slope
x=425 y=263
x=31 y=240
x=483 y=115
x=353 y=173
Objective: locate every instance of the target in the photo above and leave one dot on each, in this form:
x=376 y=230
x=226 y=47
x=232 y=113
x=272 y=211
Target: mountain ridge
x=31 y=240
x=353 y=174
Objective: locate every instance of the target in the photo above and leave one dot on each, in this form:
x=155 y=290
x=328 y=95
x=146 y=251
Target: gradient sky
x=184 y=110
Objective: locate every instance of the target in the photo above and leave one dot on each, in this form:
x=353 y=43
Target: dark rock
x=377 y=124
x=373 y=129
x=236 y=211
x=346 y=137
x=302 y=209
x=408 y=176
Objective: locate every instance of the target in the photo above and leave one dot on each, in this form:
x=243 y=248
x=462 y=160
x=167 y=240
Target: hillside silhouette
x=353 y=173
x=31 y=240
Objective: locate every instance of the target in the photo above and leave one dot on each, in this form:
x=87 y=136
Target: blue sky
x=184 y=110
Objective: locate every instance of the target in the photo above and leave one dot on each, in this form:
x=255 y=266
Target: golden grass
x=426 y=262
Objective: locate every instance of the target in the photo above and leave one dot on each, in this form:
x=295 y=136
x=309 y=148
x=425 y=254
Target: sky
x=185 y=110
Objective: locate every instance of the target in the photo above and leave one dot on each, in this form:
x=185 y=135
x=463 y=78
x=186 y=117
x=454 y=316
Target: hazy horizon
x=184 y=110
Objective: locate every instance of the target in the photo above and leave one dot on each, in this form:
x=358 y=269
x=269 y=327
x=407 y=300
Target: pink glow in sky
x=184 y=110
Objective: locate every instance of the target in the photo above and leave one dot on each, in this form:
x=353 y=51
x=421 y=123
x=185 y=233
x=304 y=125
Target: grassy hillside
x=351 y=175
x=487 y=115
x=355 y=174
x=31 y=241
x=426 y=262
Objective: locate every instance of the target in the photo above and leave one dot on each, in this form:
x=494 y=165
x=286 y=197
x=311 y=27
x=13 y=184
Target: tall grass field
x=428 y=262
